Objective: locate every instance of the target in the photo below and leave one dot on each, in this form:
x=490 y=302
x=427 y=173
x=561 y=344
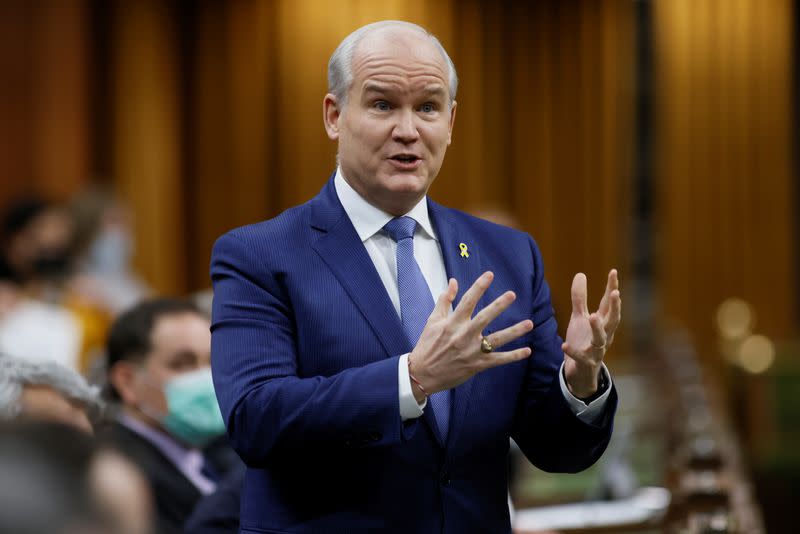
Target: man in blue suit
x=373 y=351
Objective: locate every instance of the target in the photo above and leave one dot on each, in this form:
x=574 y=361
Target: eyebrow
x=374 y=87
x=436 y=90
x=182 y=355
x=433 y=90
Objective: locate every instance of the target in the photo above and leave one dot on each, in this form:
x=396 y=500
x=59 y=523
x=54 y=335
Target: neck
x=144 y=418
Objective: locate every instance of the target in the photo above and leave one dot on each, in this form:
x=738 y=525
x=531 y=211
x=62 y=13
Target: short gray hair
x=340 y=68
x=16 y=373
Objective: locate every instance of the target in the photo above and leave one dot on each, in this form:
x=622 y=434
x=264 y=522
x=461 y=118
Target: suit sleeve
x=267 y=407
x=550 y=435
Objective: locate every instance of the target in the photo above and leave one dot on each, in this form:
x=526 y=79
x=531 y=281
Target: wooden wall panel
x=15 y=105
x=229 y=172
x=44 y=132
x=60 y=117
x=147 y=151
x=723 y=162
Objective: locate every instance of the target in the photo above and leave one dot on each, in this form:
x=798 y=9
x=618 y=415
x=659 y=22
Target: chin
x=407 y=183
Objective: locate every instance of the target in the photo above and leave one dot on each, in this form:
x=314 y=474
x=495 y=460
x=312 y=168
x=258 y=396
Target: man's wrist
x=593 y=392
x=410 y=408
x=420 y=394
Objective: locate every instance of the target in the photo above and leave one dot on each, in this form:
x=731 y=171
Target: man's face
x=395 y=127
x=181 y=343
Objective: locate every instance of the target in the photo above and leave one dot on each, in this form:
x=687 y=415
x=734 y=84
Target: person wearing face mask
x=105 y=245
x=158 y=371
x=35 y=323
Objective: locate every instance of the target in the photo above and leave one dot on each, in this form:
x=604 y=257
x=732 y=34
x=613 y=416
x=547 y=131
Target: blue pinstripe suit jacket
x=305 y=343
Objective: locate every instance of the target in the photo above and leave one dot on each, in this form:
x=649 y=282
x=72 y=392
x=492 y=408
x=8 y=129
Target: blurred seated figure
x=218 y=513
x=122 y=491
x=158 y=370
x=104 y=246
x=36 y=245
x=37 y=330
x=34 y=264
x=46 y=391
x=57 y=480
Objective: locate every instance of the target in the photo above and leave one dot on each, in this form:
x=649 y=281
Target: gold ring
x=486 y=346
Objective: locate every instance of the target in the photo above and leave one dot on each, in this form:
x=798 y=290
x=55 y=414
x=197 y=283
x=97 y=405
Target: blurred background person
x=122 y=491
x=36 y=246
x=35 y=263
x=49 y=391
x=56 y=479
x=104 y=247
x=44 y=486
x=169 y=422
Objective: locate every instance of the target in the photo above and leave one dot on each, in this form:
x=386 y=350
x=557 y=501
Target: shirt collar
x=368 y=219
x=163 y=442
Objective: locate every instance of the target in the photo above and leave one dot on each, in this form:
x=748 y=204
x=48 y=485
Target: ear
x=122 y=376
x=331 y=112
x=452 y=122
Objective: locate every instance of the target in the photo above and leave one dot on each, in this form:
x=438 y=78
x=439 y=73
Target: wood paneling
x=44 y=131
x=147 y=151
x=723 y=162
x=230 y=179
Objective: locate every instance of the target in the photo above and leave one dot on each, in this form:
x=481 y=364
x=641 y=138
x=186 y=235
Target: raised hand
x=589 y=335
x=449 y=350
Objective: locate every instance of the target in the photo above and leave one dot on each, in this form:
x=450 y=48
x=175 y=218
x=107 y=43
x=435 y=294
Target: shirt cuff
x=588 y=413
x=409 y=407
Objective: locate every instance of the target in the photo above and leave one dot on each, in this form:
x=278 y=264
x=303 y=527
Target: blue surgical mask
x=193 y=414
x=111 y=252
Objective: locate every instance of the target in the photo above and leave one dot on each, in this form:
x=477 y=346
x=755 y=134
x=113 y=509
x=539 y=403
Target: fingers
x=598 y=331
x=597 y=342
x=614 y=315
x=490 y=312
x=495 y=359
x=613 y=281
x=506 y=335
x=579 y=295
x=470 y=299
x=445 y=300
x=611 y=285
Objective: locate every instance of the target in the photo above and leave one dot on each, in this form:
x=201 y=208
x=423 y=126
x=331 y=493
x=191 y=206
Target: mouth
x=405 y=158
x=406 y=162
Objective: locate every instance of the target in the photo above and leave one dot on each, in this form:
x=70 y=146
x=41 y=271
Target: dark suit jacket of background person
x=218 y=513
x=174 y=495
x=305 y=346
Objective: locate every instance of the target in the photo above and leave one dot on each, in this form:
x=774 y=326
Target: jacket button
x=444 y=480
x=375 y=436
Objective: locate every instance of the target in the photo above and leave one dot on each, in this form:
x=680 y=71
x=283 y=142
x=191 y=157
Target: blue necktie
x=416 y=304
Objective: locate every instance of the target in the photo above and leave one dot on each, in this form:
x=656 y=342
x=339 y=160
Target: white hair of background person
x=340 y=69
x=16 y=373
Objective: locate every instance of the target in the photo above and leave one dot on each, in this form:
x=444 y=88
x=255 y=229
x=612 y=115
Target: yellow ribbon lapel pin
x=464 y=250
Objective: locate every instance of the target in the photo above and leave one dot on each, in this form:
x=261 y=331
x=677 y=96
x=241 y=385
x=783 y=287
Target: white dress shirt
x=368 y=222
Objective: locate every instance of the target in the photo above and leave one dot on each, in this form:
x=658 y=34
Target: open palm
x=588 y=335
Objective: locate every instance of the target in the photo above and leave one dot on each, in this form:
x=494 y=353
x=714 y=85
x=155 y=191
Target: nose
x=405 y=129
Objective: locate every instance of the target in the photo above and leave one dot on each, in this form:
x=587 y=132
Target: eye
x=381 y=105
x=427 y=107
x=182 y=361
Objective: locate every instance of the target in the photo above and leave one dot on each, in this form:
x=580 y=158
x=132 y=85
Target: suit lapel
x=341 y=249
x=466 y=268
